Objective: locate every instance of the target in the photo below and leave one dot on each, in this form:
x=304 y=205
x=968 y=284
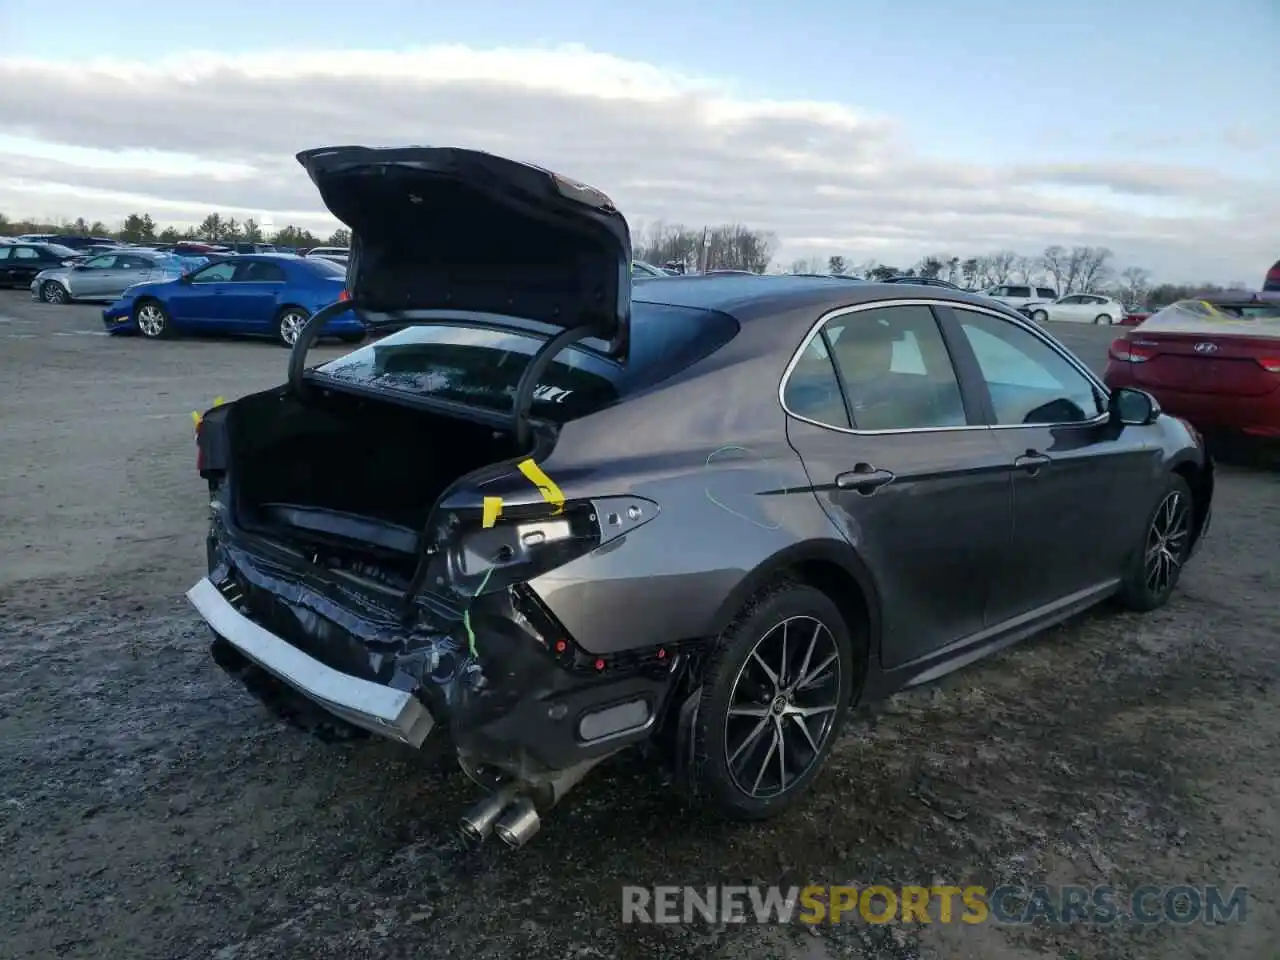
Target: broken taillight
x=1127 y=352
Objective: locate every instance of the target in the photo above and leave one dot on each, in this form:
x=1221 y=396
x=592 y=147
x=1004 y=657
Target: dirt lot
x=148 y=809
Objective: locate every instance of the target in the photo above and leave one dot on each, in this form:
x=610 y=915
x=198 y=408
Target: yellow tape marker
x=196 y=417
x=546 y=486
x=492 y=510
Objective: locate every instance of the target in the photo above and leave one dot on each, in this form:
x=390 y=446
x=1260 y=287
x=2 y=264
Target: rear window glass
x=59 y=250
x=1046 y=293
x=326 y=268
x=482 y=366
x=1201 y=313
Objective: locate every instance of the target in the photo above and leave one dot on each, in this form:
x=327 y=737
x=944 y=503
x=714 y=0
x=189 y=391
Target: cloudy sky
x=867 y=129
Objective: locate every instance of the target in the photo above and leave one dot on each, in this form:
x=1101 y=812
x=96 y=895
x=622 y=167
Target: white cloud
x=183 y=136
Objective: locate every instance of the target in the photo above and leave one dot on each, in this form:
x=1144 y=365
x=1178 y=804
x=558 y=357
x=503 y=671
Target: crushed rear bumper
x=395 y=714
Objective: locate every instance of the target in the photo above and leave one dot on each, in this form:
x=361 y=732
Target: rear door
x=1080 y=483
x=250 y=301
x=900 y=461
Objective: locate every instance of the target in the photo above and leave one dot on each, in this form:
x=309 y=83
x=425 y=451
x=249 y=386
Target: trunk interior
x=346 y=471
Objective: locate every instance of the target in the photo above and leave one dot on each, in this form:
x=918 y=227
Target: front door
x=900 y=462
x=96 y=277
x=195 y=301
x=1078 y=478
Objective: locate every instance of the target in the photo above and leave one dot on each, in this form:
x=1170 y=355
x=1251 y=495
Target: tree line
x=1076 y=269
x=731 y=246
x=215 y=228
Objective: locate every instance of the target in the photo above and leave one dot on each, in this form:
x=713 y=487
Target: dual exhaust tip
x=511 y=815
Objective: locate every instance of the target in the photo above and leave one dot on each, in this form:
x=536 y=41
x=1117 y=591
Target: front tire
x=51 y=291
x=1040 y=316
x=152 y=320
x=289 y=324
x=774 y=693
x=1157 y=564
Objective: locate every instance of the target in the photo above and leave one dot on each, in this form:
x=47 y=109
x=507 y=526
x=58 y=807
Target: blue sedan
x=266 y=295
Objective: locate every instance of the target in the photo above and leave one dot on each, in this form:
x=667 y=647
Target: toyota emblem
x=1206 y=347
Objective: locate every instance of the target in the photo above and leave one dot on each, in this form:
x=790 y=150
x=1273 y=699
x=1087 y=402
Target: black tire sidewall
x=1135 y=594
x=50 y=285
x=710 y=776
x=1102 y=320
x=1039 y=316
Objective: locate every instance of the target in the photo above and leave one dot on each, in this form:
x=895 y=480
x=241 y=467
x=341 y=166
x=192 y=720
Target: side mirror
x=1132 y=407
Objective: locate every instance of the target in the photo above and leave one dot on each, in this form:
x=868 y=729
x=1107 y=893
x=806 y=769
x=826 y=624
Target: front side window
x=895 y=369
x=216 y=273
x=1029 y=381
x=1019 y=292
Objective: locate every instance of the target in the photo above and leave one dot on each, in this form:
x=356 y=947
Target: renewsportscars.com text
x=817 y=904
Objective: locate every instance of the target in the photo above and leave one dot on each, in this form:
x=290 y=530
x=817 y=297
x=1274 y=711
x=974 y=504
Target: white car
x=1078 y=308
x=1019 y=295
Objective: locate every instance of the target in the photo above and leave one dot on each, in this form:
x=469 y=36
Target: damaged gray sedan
x=548 y=517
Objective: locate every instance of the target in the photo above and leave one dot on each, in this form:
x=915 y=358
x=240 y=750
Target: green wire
x=466 y=614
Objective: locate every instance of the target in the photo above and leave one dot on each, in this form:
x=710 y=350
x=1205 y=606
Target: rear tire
x=1103 y=319
x=774 y=693
x=153 y=320
x=289 y=324
x=1040 y=316
x=1166 y=543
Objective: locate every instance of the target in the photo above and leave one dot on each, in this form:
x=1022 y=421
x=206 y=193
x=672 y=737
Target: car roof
x=746 y=298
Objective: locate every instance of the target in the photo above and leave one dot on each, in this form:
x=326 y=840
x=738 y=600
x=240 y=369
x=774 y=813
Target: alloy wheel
x=291 y=325
x=1167 y=542
x=151 y=320
x=54 y=293
x=782 y=707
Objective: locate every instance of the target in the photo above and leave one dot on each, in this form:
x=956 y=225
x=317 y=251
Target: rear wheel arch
x=832 y=567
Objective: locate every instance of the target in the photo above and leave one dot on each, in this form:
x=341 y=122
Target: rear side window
x=1046 y=293
x=481 y=367
x=813 y=390
x=326 y=268
x=1019 y=292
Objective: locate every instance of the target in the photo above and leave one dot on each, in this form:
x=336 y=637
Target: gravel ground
x=148 y=809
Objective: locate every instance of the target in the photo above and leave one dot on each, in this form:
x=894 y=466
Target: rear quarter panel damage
x=710 y=449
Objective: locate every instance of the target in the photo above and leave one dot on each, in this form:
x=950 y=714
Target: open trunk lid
x=1209 y=348
x=447 y=229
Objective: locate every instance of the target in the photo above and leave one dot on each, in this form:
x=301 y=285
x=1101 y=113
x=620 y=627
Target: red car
x=1134 y=317
x=1214 y=361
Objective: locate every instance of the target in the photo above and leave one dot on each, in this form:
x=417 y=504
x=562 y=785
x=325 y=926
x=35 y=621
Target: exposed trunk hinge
x=520 y=408
x=307 y=337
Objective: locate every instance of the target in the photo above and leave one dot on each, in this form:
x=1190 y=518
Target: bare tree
x=865 y=268
x=1026 y=269
x=969 y=271
x=952 y=269
x=1134 y=286
x=929 y=267
x=1092 y=267
x=1054 y=263
x=836 y=265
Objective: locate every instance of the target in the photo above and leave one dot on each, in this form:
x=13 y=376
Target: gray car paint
x=962 y=544
x=85 y=282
